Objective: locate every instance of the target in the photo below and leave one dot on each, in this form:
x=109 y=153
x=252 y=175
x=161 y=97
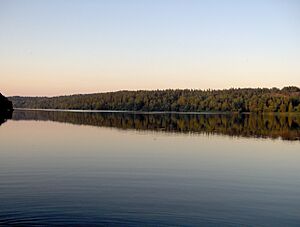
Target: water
x=120 y=169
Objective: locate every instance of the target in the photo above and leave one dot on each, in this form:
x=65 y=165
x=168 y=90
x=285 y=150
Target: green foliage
x=229 y=100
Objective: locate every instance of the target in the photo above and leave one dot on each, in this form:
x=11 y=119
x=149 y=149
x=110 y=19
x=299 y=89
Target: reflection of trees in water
x=251 y=125
x=4 y=116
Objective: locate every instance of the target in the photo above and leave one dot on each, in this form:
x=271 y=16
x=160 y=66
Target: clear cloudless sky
x=56 y=47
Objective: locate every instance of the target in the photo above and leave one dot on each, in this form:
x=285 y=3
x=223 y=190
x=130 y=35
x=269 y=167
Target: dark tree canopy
x=5 y=109
x=187 y=100
x=5 y=104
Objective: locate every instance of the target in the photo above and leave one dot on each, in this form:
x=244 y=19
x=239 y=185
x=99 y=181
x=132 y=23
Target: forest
x=256 y=100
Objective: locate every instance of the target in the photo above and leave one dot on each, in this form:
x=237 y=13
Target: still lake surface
x=123 y=169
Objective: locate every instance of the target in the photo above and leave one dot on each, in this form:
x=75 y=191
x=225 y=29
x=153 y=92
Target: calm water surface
x=59 y=168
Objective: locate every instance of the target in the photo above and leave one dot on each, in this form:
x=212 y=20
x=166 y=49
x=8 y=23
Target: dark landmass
x=5 y=104
x=6 y=109
x=228 y=100
x=284 y=126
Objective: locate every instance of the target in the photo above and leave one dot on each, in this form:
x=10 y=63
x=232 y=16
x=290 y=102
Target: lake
x=126 y=169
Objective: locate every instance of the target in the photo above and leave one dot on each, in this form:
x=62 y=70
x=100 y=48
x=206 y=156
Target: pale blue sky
x=55 y=47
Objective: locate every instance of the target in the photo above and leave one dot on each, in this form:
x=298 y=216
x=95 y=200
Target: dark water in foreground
x=59 y=168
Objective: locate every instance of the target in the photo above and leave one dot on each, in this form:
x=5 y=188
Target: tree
x=291 y=108
x=5 y=105
x=282 y=107
x=234 y=100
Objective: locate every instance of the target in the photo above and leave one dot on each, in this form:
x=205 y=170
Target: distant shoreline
x=124 y=111
x=153 y=112
x=186 y=101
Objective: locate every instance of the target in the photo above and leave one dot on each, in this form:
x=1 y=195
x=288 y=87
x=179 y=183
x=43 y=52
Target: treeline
x=5 y=105
x=285 y=126
x=187 y=100
x=6 y=109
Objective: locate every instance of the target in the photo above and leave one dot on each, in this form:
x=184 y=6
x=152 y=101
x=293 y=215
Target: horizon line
x=163 y=89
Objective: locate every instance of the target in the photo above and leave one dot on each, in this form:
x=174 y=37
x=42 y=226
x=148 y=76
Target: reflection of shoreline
x=123 y=111
x=4 y=116
x=285 y=126
x=160 y=112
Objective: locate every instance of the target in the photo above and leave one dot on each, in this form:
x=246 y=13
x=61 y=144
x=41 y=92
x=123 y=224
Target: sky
x=60 y=47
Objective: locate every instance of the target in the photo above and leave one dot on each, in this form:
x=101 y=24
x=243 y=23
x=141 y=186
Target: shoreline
x=153 y=112
x=122 y=111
